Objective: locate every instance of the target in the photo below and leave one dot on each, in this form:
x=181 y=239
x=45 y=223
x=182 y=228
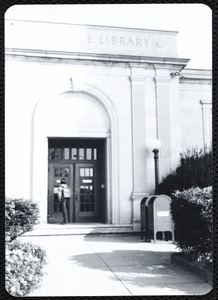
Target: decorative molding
x=63 y=57
x=162 y=81
x=206 y=102
x=137 y=80
x=192 y=81
x=162 y=75
x=76 y=86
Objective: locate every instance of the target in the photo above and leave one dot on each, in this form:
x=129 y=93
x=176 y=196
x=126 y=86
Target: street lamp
x=156 y=168
x=154 y=145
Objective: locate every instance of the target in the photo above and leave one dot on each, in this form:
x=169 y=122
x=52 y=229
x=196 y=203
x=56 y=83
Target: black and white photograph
x=108 y=150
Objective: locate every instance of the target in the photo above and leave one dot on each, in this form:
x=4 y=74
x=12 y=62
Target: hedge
x=194 y=170
x=23 y=261
x=23 y=266
x=20 y=216
x=192 y=215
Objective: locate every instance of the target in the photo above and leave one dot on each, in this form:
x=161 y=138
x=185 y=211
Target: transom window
x=73 y=153
x=75 y=149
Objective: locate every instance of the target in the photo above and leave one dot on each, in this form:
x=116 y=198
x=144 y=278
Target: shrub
x=192 y=215
x=24 y=261
x=195 y=170
x=23 y=266
x=20 y=216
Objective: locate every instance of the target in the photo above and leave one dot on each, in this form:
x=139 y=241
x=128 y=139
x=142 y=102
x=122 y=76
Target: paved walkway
x=112 y=266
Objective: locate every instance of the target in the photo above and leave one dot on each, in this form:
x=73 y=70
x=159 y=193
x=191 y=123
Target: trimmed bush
x=23 y=261
x=195 y=170
x=20 y=216
x=192 y=215
x=23 y=266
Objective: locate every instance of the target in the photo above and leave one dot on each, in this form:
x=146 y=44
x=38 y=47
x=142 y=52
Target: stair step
x=79 y=229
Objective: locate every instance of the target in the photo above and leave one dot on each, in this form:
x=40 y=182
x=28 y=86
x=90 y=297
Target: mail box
x=156 y=220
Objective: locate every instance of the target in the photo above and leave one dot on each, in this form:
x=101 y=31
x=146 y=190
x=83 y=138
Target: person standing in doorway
x=64 y=194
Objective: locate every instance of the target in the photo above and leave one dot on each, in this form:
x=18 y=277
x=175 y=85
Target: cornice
x=206 y=102
x=57 y=56
x=185 y=80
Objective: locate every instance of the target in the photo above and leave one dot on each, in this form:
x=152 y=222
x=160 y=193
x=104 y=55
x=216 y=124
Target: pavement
x=105 y=265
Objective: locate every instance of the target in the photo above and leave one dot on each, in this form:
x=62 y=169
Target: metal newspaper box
x=156 y=220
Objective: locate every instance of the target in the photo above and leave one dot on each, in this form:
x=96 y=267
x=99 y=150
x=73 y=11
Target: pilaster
x=175 y=119
x=138 y=136
x=162 y=80
x=206 y=107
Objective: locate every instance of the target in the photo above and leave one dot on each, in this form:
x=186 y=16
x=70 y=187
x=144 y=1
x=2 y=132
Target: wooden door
x=86 y=193
x=56 y=173
x=82 y=163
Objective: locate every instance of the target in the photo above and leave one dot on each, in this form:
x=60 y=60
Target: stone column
x=175 y=118
x=162 y=79
x=138 y=140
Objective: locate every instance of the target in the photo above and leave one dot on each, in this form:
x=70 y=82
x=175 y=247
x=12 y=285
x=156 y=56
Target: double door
x=82 y=178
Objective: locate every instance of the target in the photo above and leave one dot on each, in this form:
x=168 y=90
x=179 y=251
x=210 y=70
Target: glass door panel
x=57 y=172
x=86 y=208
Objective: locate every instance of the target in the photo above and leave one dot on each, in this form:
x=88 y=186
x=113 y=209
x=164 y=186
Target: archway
x=74 y=115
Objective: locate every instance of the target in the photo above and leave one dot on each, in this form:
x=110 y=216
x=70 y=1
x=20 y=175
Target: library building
x=90 y=104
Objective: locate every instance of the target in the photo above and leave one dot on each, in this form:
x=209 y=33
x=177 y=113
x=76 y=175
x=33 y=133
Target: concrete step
x=80 y=229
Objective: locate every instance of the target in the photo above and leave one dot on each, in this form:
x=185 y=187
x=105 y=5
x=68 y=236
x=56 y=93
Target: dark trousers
x=64 y=203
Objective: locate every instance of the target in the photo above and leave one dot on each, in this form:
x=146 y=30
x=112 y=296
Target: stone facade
x=126 y=86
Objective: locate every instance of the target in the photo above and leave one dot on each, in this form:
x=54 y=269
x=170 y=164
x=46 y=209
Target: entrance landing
x=79 y=229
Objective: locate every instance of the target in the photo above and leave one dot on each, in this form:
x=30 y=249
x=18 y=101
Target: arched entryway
x=76 y=125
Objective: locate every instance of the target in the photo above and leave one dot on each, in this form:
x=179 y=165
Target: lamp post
x=156 y=168
x=154 y=145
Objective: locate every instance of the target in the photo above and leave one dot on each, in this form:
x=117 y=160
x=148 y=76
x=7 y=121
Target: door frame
x=78 y=215
x=51 y=188
x=100 y=182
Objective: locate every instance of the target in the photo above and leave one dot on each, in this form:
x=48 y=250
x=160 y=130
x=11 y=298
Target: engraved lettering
x=138 y=42
x=159 y=44
x=122 y=41
x=114 y=40
x=130 y=42
x=146 y=42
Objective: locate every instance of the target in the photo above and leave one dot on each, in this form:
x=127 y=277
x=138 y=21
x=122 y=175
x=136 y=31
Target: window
x=73 y=153
x=66 y=153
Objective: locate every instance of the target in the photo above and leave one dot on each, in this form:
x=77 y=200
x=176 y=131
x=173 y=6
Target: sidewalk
x=87 y=265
